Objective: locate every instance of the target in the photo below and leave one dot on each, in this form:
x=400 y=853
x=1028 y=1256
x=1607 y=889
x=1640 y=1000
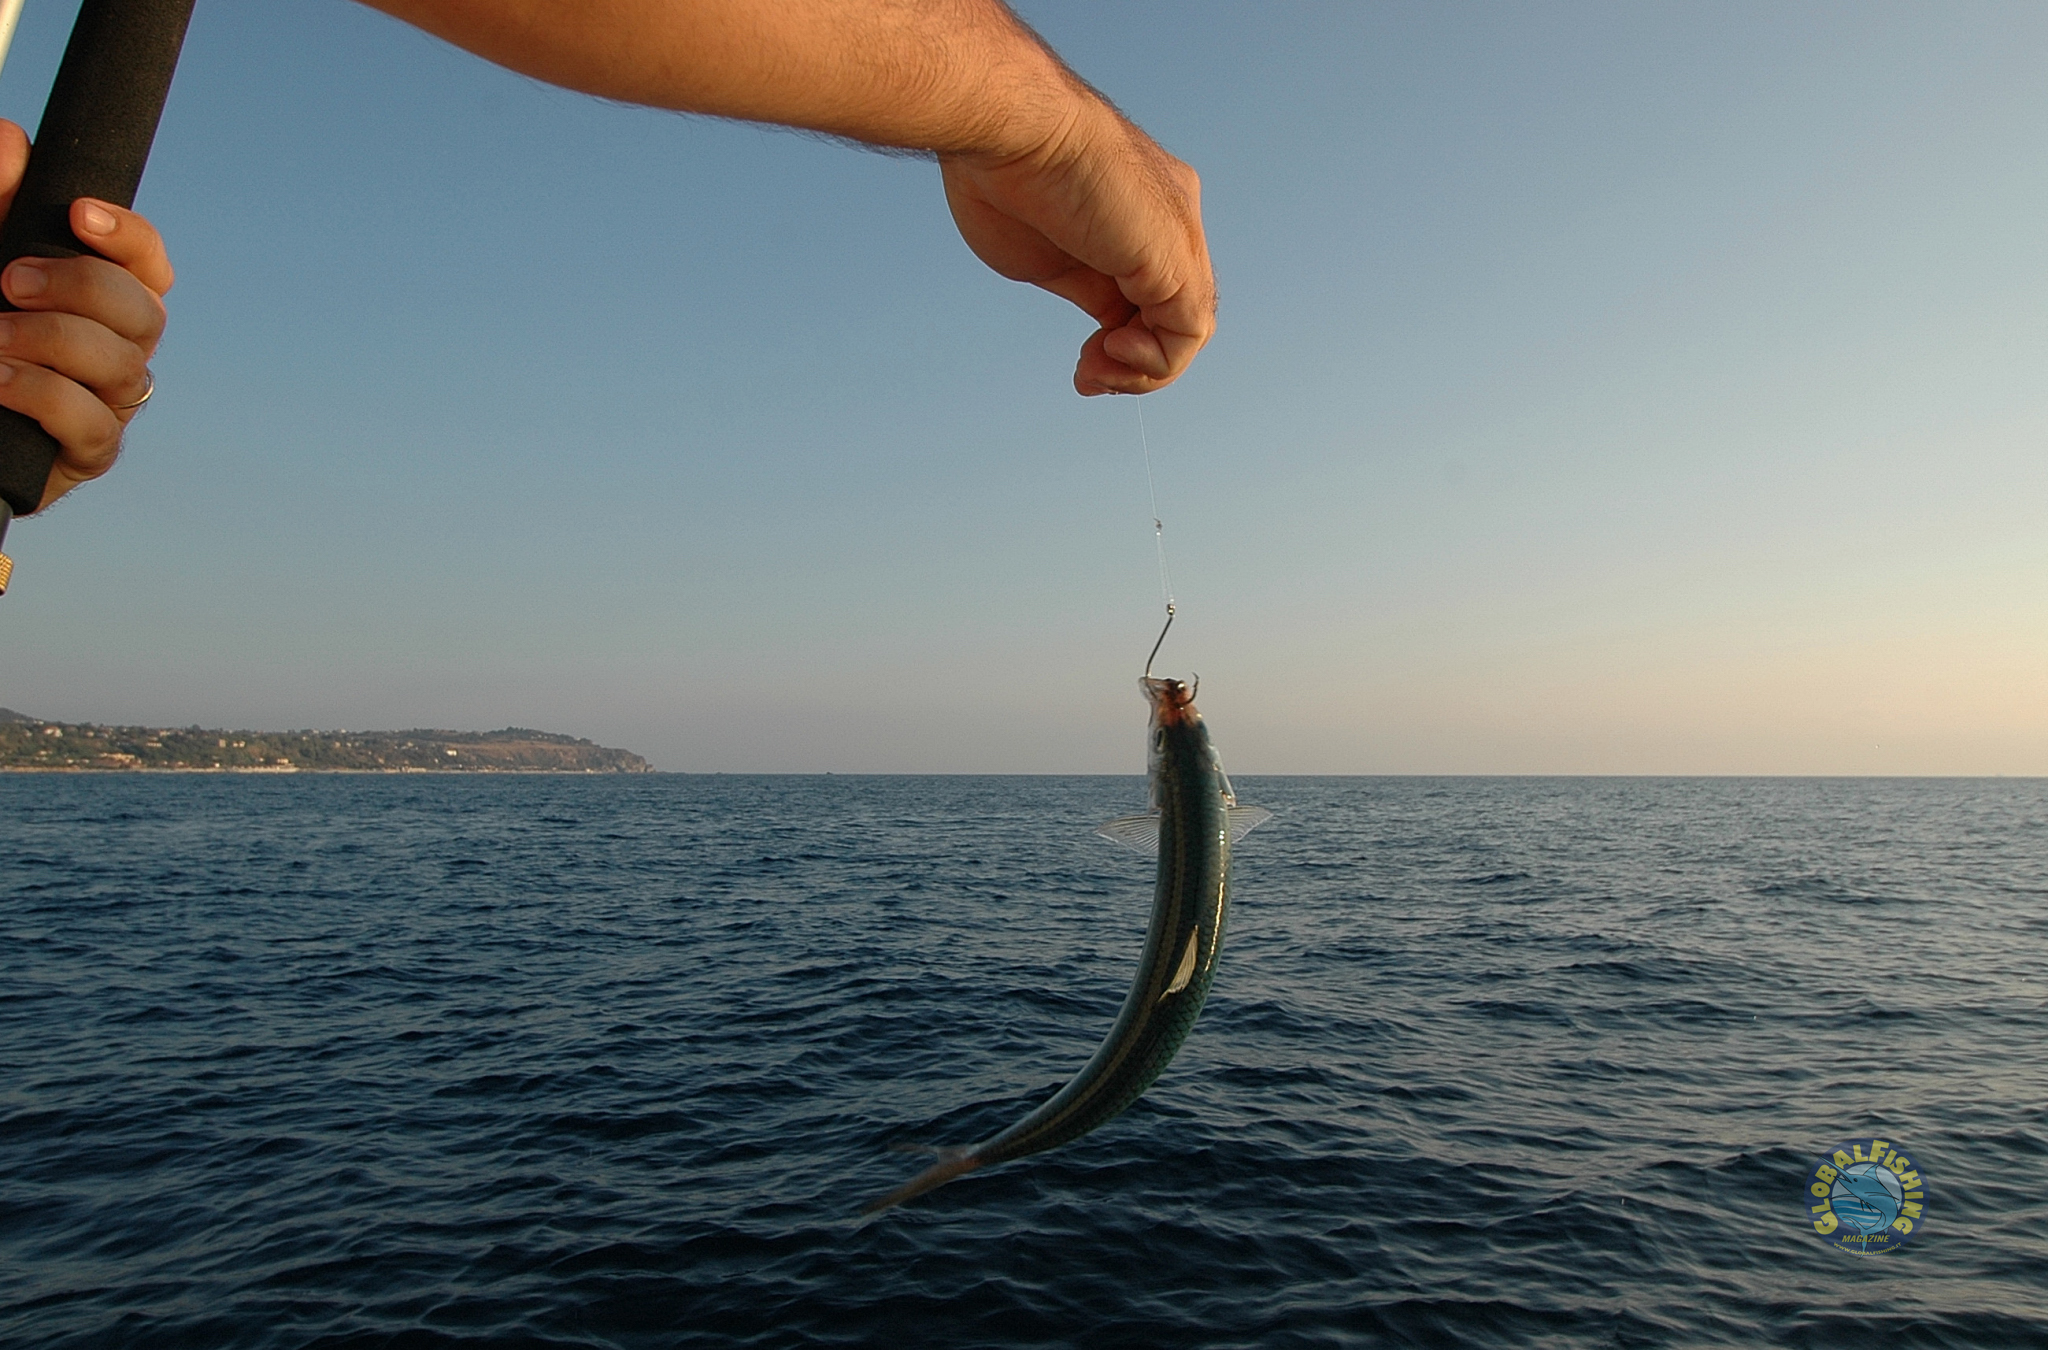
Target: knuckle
x=88 y=464
x=53 y=338
x=98 y=440
x=98 y=275
x=62 y=329
x=32 y=332
x=87 y=284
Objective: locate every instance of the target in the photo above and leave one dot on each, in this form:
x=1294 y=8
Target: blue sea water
x=423 y=1061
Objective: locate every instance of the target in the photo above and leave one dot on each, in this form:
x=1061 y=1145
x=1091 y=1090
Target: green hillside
x=30 y=743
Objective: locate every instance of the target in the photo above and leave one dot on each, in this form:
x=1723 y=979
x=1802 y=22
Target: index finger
x=120 y=236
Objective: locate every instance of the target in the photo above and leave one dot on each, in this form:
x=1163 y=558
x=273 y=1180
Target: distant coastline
x=34 y=745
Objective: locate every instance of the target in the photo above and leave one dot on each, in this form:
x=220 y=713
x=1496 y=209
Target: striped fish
x=1194 y=821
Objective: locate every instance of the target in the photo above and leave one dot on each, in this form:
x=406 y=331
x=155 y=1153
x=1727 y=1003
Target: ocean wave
x=352 y=1062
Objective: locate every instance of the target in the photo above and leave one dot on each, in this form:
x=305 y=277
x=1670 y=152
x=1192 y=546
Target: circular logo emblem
x=1866 y=1196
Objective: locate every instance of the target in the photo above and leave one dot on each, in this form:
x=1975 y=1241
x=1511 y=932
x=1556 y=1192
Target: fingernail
x=6 y=372
x=6 y=332
x=96 y=220
x=26 y=279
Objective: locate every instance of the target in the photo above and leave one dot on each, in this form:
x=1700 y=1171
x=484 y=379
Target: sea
x=445 y=1060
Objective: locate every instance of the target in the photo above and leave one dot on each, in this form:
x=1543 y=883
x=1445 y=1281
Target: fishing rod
x=93 y=141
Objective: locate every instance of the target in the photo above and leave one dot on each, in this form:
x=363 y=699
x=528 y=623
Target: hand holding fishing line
x=1104 y=217
x=1048 y=183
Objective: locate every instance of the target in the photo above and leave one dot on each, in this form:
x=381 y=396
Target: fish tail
x=952 y=1163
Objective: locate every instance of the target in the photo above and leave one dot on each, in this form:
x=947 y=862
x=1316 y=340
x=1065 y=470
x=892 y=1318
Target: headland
x=31 y=744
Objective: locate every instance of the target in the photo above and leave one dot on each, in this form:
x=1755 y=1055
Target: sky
x=1598 y=388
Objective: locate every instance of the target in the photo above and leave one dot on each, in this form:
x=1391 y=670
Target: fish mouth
x=1173 y=701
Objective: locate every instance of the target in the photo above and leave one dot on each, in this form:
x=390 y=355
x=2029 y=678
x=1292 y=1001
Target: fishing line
x=1158 y=526
x=1158 y=538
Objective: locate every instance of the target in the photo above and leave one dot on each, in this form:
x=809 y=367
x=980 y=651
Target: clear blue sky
x=1599 y=388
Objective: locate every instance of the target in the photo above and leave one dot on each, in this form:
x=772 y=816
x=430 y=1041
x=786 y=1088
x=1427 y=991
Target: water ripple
x=573 y=1062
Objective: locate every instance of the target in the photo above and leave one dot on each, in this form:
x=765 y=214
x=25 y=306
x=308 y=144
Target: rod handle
x=93 y=141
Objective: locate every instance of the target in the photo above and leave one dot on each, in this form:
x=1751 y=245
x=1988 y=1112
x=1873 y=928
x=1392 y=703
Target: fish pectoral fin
x=1138 y=832
x=1242 y=820
x=1186 y=971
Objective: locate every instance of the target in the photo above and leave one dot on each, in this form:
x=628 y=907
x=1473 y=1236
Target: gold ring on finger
x=148 y=388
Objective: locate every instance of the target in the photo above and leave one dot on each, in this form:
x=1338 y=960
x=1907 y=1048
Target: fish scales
x=1195 y=820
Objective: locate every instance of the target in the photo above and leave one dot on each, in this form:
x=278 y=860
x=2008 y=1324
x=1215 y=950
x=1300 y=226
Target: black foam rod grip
x=93 y=142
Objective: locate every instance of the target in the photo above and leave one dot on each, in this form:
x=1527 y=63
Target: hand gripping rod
x=93 y=142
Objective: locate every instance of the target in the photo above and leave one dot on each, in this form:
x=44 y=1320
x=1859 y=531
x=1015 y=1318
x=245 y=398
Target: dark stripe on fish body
x=1191 y=900
x=1190 y=906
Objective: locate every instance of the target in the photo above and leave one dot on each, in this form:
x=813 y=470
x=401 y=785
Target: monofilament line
x=1158 y=541
x=1158 y=526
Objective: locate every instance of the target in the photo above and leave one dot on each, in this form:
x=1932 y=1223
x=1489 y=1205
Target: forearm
x=1048 y=183
x=954 y=76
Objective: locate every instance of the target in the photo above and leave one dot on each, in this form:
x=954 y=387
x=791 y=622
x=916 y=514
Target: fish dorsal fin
x=1138 y=832
x=1244 y=819
x=1186 y=970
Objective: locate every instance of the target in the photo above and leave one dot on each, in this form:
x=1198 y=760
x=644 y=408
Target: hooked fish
x=1193 y=822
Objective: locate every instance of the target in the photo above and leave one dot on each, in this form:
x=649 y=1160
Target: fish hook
x=1162 y=640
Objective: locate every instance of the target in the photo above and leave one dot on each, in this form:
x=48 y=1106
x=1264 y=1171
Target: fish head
x=1177 y=733
x=1174 y=722
x=1173 y=701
